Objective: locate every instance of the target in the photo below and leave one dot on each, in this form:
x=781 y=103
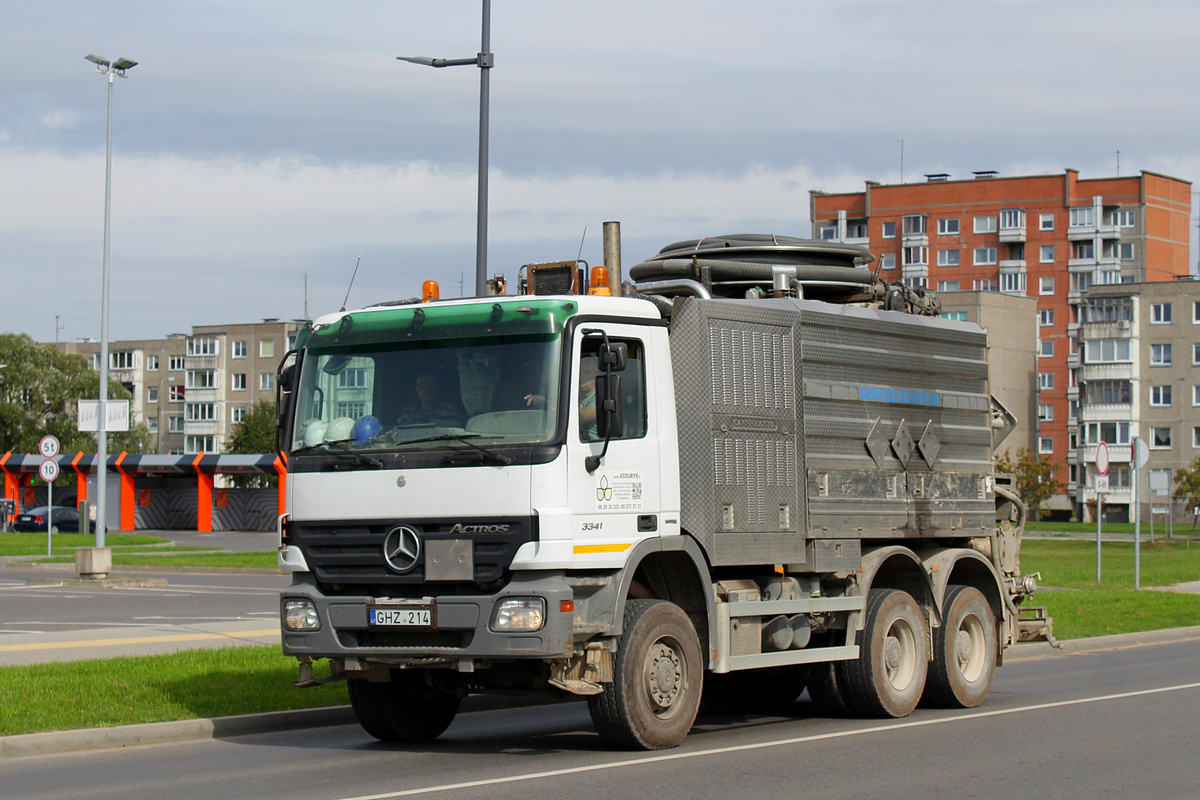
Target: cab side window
x=633 y=389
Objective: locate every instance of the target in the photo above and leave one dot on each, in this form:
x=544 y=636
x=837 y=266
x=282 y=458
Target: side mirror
x=610 y=410
x=613 y=356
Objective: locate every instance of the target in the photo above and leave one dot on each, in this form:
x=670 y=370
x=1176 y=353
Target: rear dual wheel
x=964 y=651
x=888 y=677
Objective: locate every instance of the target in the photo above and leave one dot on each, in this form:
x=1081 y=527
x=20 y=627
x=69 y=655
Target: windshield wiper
x=343 y=450
x=464 y=438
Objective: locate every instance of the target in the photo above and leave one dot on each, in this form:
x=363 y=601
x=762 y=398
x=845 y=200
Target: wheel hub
x=962 y=647
x=665 y=675
x=891 y=654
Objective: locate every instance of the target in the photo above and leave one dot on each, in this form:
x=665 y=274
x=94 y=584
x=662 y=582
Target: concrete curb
x=49 y=742
x=185 y=730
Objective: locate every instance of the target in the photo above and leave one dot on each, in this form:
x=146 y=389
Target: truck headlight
x=300 y=615
x=519 y=614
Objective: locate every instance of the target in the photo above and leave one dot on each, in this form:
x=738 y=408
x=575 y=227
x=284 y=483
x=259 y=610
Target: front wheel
x=887 y=678
x=964 y=651
x=657 y=680
x=403 y=709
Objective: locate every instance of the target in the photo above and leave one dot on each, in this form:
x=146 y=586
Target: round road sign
x=48 y=470
x=48 y=446
x=1102 y=459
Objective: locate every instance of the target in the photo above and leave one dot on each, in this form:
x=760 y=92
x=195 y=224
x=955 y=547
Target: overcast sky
x=259 y=143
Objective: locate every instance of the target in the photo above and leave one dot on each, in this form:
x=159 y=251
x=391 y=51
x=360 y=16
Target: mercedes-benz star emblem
x=401 y=548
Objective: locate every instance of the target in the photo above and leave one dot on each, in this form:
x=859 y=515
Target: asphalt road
x=1121 y=723
x=63 y=619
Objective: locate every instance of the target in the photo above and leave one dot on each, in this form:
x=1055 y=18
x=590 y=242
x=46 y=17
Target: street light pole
x=111 y=69
x=484 y=60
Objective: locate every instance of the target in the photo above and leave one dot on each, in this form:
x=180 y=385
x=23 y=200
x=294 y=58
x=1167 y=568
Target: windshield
x=430 y=393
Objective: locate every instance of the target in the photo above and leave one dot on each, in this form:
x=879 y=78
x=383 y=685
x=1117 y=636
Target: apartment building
x=191 y=389
x=1139 y=376
x=1050 y=237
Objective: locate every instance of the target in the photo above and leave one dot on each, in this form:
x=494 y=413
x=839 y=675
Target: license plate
x=401 y=617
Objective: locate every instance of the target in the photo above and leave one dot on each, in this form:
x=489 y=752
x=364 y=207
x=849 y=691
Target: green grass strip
x=190 y=684
x=252 y=560
x=34 y=544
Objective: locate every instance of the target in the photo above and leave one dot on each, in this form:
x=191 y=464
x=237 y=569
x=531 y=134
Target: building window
x=1196 y=437
x=151 y=394
x=1045 y=286
x=1046 y=348
x=1083 y=250
x=1125 y=251
x=915 y=283
x=1125 y=219
x=266 y=348
x=239 y=382
x=1082 y=217
x=1012 y=282
x=1160 y=395
x=1108 y=310
x=1045 y=412
x=1045 y=380
x=266 y=381
x=1045 y=222
x=353 y=409
x=1108 y=432
x=175 y=362
x=239 y=349
x=1160 y=313
x=985 y=255
x=959 y=316
x=1160 y=355
x=916 y=255
x=175 y=394
x=1195 y=312
x=1107 y=392
x=947 y=227
x=947 y=258
x=237 y=414
x=984 y=284
x=948 y=286
x=914 y=224
x=120 y=359
x=200 y=412
x=1105 y=351
x=1012 y=219
x=1045 y=317
x=152 y=363
x=1160 y=437
x=829 y=233
x=202 y=346
x=1196 y=395
x=175 y=423
x=856 y=230
x=985 y=224
x=199 y=444
x=887 y=261
x=201 y=379
x=1046 y=253
x=889 y=230
x=1045 y=445
x=152 y=424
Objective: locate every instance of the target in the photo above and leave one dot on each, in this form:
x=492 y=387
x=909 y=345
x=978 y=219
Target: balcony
x=1012 y=265
x=1073 y=265
x=1012 y=234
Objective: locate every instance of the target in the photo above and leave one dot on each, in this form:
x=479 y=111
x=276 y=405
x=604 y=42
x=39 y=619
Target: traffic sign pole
x=1101 y=471
x=48 y=471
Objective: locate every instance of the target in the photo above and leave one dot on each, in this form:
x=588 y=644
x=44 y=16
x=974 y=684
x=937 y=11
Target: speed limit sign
x=48 y=470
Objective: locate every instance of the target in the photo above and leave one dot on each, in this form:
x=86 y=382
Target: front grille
x=351 y=554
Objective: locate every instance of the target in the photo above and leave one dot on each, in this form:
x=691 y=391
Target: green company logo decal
x=603 y=491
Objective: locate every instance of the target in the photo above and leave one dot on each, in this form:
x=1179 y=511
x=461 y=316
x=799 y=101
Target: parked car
x=64 y=520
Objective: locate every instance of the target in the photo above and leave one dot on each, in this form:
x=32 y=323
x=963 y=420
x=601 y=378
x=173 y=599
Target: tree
x=254 y=434
x=1187 y=484
x=39 y=393
x=1037 y=476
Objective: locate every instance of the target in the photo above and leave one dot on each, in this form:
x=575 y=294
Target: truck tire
x=964 y=651
x=888 y=677
x=403 y=709
x=657 y=680
x=769 y=691
x=825 y=691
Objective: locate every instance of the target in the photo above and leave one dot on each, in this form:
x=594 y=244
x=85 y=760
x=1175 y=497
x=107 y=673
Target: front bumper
x=461 y=631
